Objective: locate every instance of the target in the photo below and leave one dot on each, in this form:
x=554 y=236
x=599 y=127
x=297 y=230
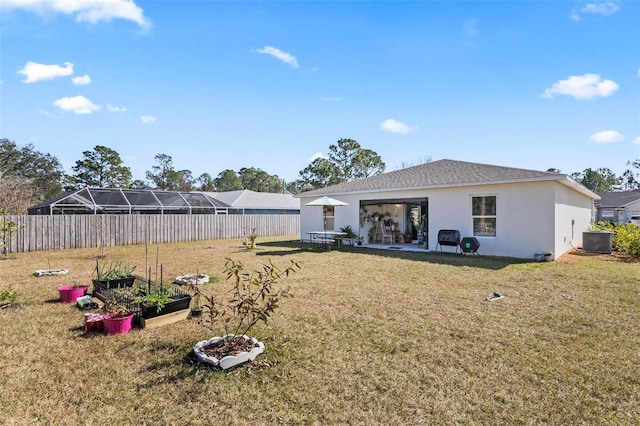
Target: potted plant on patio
x=349 y=234
x=254 y=298
x=422 y=228
x=407 y=234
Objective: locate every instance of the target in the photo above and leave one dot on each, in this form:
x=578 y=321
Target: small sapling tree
x=7 y=227
x=254 y=297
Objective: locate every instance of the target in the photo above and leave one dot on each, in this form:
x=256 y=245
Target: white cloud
x=81 y=80
x=393 y=126
x=316 y=156
x=279 y=54
x=585 y=86
x=38 y=72
x=607 y=136
x=604 y=8
x=330 y=99
x=147 y=119
x=92 y=11
x=112 y=108
x=77 y=104
x=637 y=140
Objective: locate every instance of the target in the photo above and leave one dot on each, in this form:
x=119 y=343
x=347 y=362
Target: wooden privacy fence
x=61 y=232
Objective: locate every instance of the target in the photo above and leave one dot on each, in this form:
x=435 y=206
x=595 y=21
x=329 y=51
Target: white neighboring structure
x=246 y=201
x=512 y=212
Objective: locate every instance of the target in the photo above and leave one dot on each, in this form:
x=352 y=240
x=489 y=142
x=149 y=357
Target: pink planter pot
x=69 y=294
x=118 y=325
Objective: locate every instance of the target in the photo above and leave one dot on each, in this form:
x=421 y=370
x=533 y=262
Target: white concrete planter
x=192 y=279
x=43 y=272
x=228 y=361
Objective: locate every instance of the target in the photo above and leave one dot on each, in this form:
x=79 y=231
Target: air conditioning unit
x=597 y=242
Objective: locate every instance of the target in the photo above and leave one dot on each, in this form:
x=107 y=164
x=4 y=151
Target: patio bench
x=318 y=241
x=340 y=241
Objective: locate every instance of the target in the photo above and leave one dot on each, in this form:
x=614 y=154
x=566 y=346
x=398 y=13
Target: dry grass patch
x=369 y=338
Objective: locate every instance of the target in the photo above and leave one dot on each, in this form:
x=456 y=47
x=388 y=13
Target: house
x=245 y=201
x=618 y=207
x=512 y=212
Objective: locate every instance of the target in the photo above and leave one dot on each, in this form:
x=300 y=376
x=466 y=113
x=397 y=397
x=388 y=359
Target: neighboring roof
x=443 y=174
x=617 y=199
x=247 y=199
x=112 y=199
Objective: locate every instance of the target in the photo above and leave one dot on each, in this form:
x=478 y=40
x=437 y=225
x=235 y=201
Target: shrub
x=626 y=236
x=349 y=231
x=8 y=297
x=7 y=227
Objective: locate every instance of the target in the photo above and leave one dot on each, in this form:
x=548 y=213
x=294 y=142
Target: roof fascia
x=563 y=179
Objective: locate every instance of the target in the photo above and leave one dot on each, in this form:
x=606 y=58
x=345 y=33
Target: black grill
x=449 y=237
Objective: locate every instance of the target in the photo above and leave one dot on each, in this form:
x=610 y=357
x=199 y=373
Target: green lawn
x=369 y=337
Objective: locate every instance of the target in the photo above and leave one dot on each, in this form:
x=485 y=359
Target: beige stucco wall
x=531 y=217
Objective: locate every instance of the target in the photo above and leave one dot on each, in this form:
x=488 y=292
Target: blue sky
x=228 y=84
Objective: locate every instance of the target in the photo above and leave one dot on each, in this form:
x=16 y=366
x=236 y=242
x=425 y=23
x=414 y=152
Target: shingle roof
x=617 y=199
x=248 y=199
x=437 y=174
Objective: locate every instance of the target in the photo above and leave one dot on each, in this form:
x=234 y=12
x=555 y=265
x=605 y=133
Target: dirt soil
x=225 y=347
x=574 y=255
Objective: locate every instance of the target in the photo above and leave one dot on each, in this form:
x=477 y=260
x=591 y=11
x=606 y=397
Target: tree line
x=28 y=176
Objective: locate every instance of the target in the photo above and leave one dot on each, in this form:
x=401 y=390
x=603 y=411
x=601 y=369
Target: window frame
x=485 y=218
x=329 y=215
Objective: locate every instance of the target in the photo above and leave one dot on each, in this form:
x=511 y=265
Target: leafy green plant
x=349 y=231
x=158 y=296
x=112 y=271
x=7 y=227
x=422 y=224
x=255 y=296
x=8 y=297
x=115 y=309
x=626 y=236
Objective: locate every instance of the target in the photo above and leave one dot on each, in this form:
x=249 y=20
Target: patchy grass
x=369 y=338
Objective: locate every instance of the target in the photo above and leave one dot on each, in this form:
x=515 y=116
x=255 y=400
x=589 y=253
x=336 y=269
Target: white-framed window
x=329 y=217
x=483 y=212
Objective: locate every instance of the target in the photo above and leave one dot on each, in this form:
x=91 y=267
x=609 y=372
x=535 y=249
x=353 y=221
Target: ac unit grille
x=597 y=242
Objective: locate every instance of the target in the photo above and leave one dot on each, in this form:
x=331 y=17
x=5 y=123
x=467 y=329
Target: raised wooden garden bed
x=146 y=315
x=179 y=302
